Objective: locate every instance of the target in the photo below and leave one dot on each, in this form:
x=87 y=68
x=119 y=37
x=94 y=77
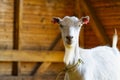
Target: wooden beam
x=18 y=7
x=31 y=56
x=43 y=68
x=95 y=23
x=54 y=43
x=18 y=12
x=40 y=77
x=36 y=67
x=17 y=78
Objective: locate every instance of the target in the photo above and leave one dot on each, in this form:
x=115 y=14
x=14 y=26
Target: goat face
x=70 y=28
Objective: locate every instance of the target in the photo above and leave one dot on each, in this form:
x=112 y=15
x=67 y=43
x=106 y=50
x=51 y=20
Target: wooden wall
x=37 y=32
x=108 y=15
x=28 y=27
x=6 y=24
x=6 y=32
x=26 y=32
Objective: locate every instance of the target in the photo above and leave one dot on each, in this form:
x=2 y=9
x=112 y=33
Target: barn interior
x=31 y=46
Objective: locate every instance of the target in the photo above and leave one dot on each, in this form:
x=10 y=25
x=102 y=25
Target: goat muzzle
x=69 y=39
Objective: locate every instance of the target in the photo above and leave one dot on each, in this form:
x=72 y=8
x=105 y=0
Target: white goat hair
x=100 y=63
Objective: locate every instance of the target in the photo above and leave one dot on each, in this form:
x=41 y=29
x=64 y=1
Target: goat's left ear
x=56 y=20
x=85 y=20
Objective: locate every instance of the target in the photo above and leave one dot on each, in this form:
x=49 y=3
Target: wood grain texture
x=31 y=56
x=6 y=24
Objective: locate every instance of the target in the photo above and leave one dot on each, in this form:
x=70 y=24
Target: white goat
x=100 y=63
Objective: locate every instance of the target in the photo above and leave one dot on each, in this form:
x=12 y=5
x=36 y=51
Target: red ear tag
x=55 y=20
x=85 y=20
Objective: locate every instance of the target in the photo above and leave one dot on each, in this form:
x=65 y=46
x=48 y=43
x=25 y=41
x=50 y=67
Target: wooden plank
x=43 y=67
x=79 y=13
x=95 y=23
x=41 y=77
x=5 y=68
x=36 y=67
x=18 y=7
x=17 y=22
x=31 y=56
x=54 y=43
x=81 y=38
x=17 y=78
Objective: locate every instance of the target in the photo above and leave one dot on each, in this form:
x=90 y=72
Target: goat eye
x=61 y=26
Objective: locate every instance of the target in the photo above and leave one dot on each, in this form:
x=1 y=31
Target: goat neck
x=71 y=54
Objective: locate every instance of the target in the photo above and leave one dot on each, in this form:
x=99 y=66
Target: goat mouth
x=69 y=42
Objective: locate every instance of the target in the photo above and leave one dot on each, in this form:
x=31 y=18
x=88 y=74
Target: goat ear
x=85 y=20
x=56 y=20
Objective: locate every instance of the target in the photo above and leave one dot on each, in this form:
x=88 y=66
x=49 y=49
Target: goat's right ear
x=85 y=20
x=56 y=20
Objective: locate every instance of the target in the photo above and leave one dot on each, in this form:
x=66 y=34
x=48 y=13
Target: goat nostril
x=69 y=37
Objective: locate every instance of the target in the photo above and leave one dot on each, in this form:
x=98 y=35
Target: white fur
x=100 y=63
x=115 y=39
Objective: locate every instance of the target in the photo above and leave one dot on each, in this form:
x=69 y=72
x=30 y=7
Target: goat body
x=100 y=63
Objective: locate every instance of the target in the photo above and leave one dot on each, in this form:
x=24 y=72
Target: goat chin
x=69 y=55
x=67 y=59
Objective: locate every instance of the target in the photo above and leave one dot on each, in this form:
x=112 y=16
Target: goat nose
x=69 y=37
